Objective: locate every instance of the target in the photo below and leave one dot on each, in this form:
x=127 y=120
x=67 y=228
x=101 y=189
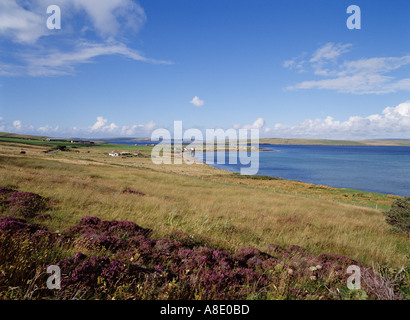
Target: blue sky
x=124 y=68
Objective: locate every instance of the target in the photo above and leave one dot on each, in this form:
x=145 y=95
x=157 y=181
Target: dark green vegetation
x=120 y=147
x=254 y=177
x=41 y=141
x=399 y=215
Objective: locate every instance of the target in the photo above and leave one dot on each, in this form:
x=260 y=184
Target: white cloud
x=330 y=51
x=48 y=129
x=150 y=126
x=17 y=124
x=19 y=24
x=393 y=122
x=10 y=70
x=297 y=63
x=64 y=62
x=258 y=124
x=105 y=15
x=25 y=21
x=362 y=76
x=102 y=126
x=111 y=21
x=197 y=102
x=138 y=128
x=99 y=124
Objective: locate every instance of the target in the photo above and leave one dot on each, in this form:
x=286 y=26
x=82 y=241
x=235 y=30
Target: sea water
x=382 y=169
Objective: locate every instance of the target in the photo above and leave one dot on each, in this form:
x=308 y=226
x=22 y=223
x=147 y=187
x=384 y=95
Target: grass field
x=220 y=209
x=204 y=201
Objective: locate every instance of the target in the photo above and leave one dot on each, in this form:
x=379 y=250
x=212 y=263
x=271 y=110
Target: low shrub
x=399 y=215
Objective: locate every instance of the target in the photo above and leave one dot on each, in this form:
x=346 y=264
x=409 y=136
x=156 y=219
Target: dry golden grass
x=348 y=196
x=211 y=205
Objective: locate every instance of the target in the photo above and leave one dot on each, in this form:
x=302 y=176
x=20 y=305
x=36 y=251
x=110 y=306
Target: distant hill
x=40 y=140
x=4 y=136
x=378 y=142
x=21 y=136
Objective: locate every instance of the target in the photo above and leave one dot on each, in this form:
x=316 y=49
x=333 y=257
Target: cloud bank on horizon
x=392 y=122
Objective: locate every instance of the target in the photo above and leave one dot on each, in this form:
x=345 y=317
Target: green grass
x=42 y=143
x=121 y=147
x=97 y=145
x=22 y=136
x=254 y=177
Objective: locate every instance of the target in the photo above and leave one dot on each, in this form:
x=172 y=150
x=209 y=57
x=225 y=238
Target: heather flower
x=177 y=269
x=251 y=257
x=108 y=234
x=270 y=264
x=21 y=203
x=167 y=245
x=293 y=249
x=113 y=271
x=13 y=226
x=79 y=256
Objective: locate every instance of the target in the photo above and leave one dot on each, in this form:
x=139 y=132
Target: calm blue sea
x=368 y=168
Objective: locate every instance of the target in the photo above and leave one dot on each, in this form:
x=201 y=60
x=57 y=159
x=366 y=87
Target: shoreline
x=145 y=150
x=237 y=174
x=226 y=209
x=330 y=142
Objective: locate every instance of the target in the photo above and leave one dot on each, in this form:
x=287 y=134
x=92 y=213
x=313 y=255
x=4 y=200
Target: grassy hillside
x=21 y=136
x=215 y=208
x=36 y=140
x=228 y=210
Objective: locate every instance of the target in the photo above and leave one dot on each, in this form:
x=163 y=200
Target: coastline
x=329 y=142
x=226 y=209
x=128 y=147
x=304 y=185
